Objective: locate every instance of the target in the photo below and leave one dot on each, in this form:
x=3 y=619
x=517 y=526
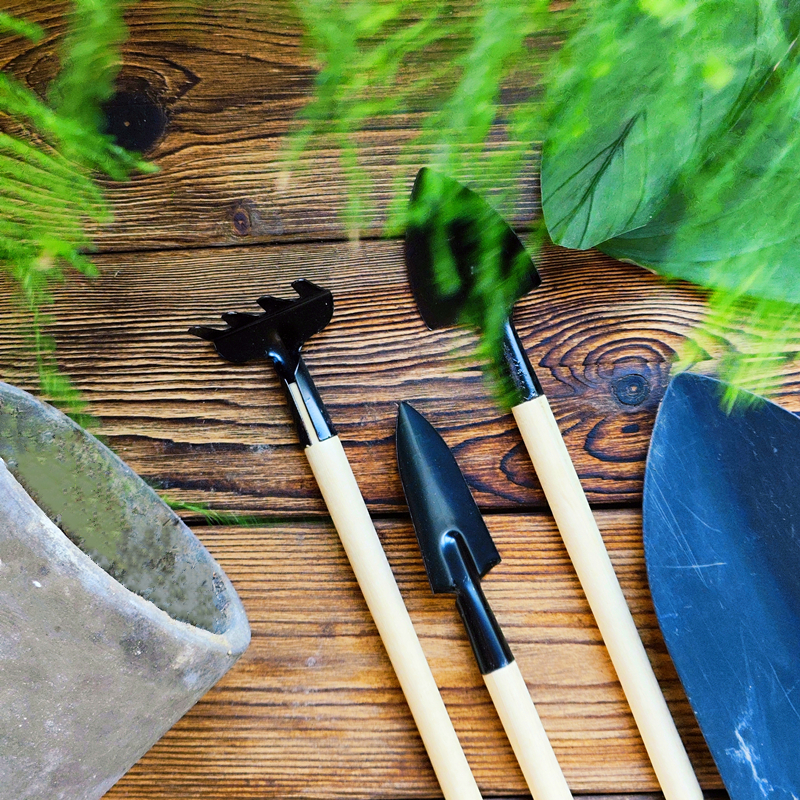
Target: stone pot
x=114 y=619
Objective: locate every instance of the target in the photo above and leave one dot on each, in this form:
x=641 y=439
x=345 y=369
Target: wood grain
x=314 y=710
x=204 y=430
x=231 y=80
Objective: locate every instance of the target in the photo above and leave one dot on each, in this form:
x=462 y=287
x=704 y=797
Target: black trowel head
x=439 y=500
x=462 y=257
x=279 y=332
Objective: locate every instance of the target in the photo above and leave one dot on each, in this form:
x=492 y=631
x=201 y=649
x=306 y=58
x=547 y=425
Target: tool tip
x=403 y=409
x=407 y=416
x=201 y=331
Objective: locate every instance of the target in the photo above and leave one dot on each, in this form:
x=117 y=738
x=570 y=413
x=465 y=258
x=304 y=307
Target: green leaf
x=734 y=223
x=635 y=98
x=20 y=27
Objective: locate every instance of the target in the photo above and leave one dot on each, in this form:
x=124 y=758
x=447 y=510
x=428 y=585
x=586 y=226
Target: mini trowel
x=277 y=335
x=466 y=266
x=458 y=551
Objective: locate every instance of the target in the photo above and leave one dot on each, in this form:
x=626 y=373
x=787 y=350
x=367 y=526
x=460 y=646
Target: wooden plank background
x=313 y=710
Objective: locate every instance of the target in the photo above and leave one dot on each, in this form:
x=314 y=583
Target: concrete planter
x=114 y=619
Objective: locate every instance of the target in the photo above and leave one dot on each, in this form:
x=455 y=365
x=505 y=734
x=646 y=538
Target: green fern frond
x=211 y=516
x=758 y=361
x=365 y=51
x=20 y=27
x=383 y=63
x=383 y=60
x=51 y=151
x=714 y=86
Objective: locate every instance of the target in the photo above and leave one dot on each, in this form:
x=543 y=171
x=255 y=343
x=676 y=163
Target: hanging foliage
x=667 y=131
x=684 y=158
x=51 y=153
x=665 y=127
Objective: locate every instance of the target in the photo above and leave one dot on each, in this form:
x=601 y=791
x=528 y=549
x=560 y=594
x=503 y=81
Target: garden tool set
x=454 y=221
x=449 y=224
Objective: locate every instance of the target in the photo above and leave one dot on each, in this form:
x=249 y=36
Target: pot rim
x=233 y=637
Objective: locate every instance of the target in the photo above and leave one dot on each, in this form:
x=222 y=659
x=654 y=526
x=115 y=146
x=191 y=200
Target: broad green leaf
x=770 y=271
x=734 y=224
x=640 y=90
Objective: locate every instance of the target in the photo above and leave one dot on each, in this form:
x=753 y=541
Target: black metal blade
x=464 y=261
x=440 y=502
x=722 y=547
x=279 y=333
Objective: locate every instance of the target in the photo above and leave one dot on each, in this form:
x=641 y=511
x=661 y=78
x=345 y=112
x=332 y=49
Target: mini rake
x=278 y=335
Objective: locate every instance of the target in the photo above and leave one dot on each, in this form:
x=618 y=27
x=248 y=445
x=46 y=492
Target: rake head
x=278 y=333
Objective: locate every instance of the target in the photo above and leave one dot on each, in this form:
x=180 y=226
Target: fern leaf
x=51 y=150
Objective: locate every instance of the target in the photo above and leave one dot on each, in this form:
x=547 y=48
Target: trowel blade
x=722 y=546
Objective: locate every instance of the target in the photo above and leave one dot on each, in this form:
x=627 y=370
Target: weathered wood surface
x=208 y=431
x=204 y=430
x=231 y=80
x=314 y=710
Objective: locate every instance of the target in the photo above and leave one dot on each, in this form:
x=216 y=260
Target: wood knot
x=632 y=389
x=240 y=219
x=135 y=120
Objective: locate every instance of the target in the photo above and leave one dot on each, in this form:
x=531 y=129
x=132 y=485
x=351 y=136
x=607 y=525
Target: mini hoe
x=277 y=335
x=466 y=266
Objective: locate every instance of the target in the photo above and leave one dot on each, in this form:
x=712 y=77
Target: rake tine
x=204 y=332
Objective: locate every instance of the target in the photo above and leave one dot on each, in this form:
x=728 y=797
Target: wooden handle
x=351 y=518
x=599 y=581
x=528 y=738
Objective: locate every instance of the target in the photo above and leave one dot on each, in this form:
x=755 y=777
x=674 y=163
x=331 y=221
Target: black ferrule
x=313 y=408
x=285 y=361
x=519 y=367
x=488 y=643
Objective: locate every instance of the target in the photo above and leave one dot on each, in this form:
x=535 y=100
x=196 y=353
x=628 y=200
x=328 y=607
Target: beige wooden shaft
x=360 y=540
x=599 y=581
x=526 y=733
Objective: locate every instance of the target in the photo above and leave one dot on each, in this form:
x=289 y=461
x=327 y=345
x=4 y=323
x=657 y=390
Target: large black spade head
x=722 y=546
